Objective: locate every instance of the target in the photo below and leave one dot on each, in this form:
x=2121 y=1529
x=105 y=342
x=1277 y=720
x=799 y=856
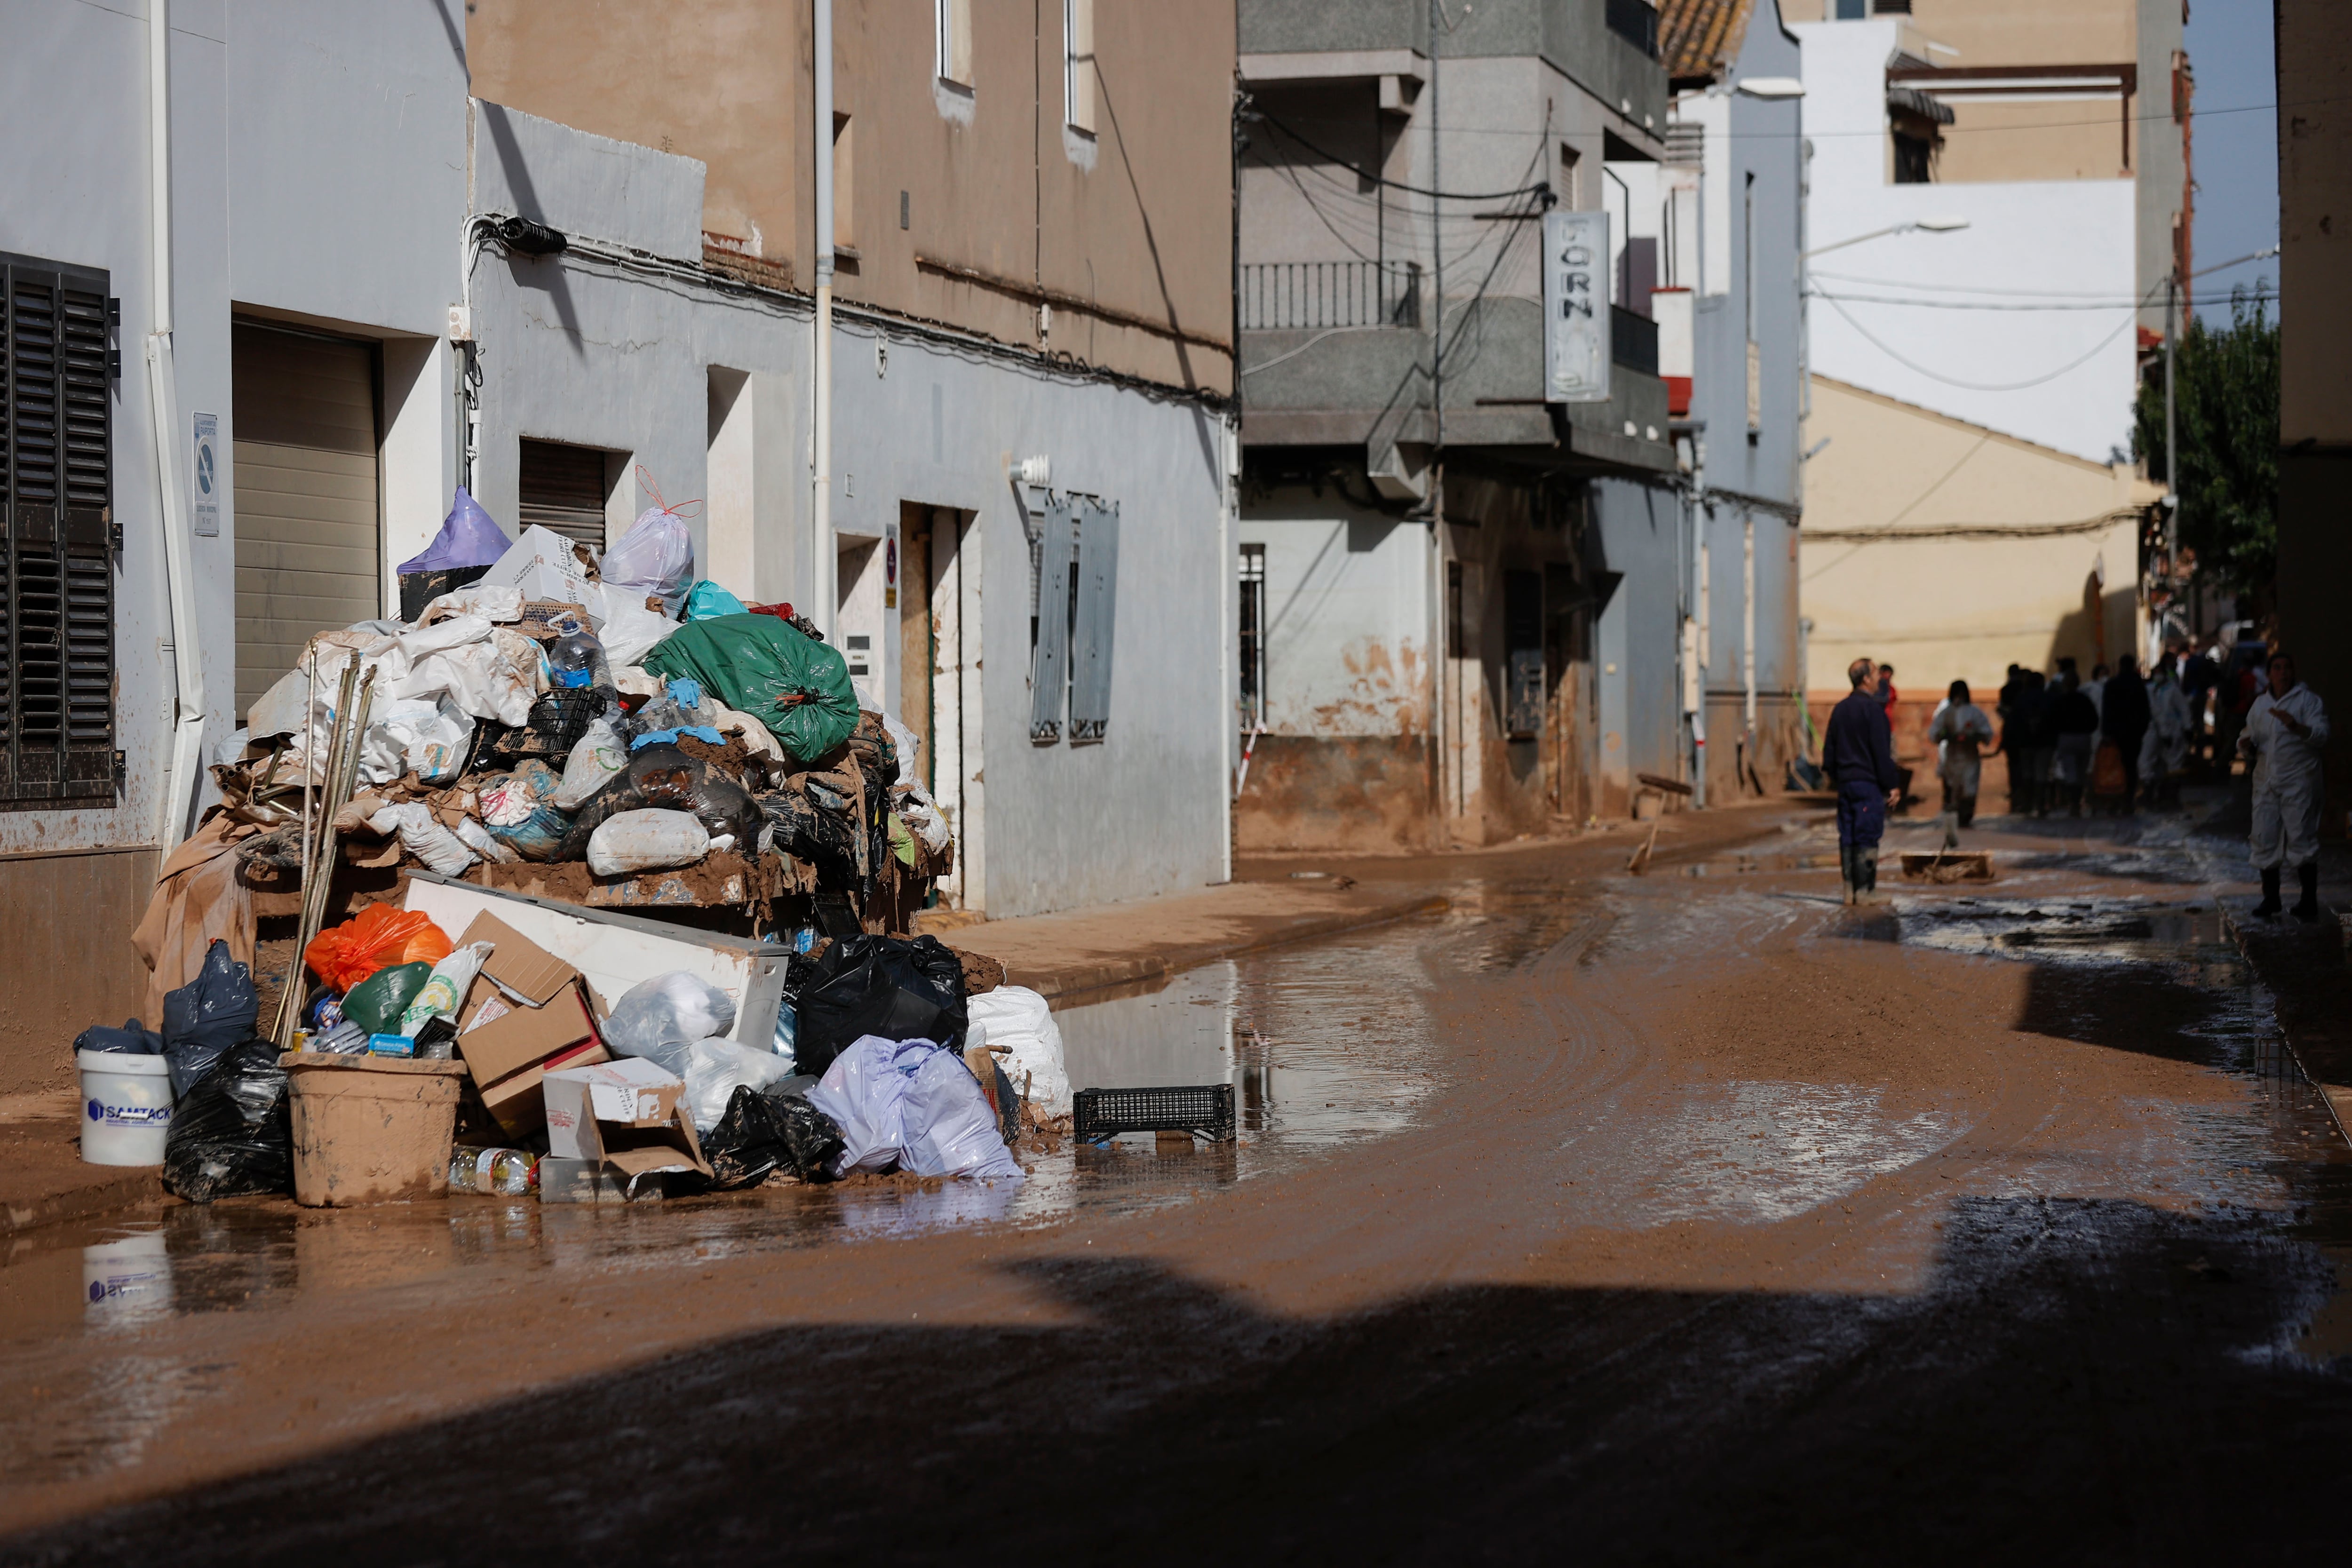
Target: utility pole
x=2171 y=450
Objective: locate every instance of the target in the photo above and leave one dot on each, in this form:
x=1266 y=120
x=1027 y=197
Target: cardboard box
x=626 y=1115
x=541 y=563
x=528 y=1010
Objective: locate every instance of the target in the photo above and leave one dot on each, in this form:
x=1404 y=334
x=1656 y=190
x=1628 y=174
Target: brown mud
x=1681 y=1218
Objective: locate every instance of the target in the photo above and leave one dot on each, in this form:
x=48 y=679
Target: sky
x=2236 y=154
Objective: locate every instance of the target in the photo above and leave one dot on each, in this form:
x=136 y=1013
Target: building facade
x=1462 y=600
x=1992 y=216
x=293 y=315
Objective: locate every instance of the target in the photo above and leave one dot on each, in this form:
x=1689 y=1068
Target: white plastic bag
x=483 y=842
x=481 y=599
x=425 y=837
x=925 y=820
x=595 y=757
x=947 y=1123
x=1016 y=1016
x=631 y=630
x=429 y=738
x=864 y=1093
x=903 y=740
x=659 y=1019
x=648 y=840
x=716 y=1067
x=445 y=987
x=656 y=557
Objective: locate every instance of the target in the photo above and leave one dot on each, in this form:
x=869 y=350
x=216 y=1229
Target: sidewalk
x=42 y=1178
x=2303 y=968
x=1066 y=955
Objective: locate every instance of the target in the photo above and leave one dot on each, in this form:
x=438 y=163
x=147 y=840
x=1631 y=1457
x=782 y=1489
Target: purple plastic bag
x=467 y=538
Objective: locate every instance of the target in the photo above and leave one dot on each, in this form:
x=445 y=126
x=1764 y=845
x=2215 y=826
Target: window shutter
x=1049 y=666
x=57 y=604
x=1098 y=610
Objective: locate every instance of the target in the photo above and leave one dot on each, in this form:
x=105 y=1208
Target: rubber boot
x=2269 y=904
x=2307 y=907
x=1867 y=873
x=1848 y=878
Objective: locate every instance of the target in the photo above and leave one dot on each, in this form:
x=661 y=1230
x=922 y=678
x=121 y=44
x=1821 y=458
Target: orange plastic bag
x=378 y=936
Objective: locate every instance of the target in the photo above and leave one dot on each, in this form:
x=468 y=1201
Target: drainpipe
x=179 y=586
x=821 y=532
x=1748 y=628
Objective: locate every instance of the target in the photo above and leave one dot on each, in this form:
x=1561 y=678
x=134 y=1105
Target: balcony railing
x=1633 y=340
x=1635 y=21
x=1283 y=295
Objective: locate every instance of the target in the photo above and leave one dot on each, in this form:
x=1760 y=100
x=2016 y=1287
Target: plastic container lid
x=136 y=1064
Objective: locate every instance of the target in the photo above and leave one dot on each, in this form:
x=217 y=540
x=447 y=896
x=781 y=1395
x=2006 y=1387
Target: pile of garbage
x=549 y=707
x=425 y=1066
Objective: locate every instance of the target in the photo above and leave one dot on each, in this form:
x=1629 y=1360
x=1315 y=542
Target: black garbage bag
x=132 y=1039
x=763 y=1133
x=234 y=1132
x=898 y=988
x=661 y=777
x=801 y=828
x=206 y=1016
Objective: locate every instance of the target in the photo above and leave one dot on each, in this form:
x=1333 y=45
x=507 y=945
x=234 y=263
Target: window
x=1073 y=611
x=1851 y=10
x=1253 y=636
x=951 y=25
x=1914 y=160
x=1566 y=185
x=57 y=557
x=844 y=189
x=565 y=489
x=1079 y=64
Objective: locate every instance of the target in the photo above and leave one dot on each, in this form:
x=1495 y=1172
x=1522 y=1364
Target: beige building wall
x=1953 y=552
x=973 y=203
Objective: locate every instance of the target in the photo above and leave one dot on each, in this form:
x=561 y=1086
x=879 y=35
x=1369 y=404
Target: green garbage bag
x=377 y=1003
x=799 y=687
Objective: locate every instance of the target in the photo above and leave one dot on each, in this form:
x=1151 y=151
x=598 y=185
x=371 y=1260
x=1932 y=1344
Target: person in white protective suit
x=2285 y=732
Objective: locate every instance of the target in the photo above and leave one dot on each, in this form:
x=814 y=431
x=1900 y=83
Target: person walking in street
x=2074 y=718
x=2123 y=721
x=1858 y=755
x=2164 y=749
x=1960 y=730
x=2284 y=734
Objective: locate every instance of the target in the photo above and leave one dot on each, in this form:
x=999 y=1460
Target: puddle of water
x=1756 y=1153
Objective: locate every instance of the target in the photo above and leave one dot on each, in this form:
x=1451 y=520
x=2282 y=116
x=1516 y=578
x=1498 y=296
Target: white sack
x=648 y=840
x=947 y=1122
x=866 y=1095
x=486 y=844
x=425 y=837
x=1016 y=1016
x=630 y=630
x=714 y=1070
x=659 y=1019
x=596 y=757
x=491 y=603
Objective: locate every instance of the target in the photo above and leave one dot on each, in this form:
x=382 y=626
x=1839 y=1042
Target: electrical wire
x=1539 y=187
x=1971 y=385
x=1294 y=353
x=2141 y=304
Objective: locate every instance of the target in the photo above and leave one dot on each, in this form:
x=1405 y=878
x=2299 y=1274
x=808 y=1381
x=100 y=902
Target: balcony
x=1636 y=22
x=1633 y=340
x=1284 y=296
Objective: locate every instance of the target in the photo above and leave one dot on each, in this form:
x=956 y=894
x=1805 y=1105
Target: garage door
x=563 y=487
x=308 y=555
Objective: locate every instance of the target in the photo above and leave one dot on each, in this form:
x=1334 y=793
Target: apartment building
x=1464 y=580
x=296 y=272
x=1998 y=193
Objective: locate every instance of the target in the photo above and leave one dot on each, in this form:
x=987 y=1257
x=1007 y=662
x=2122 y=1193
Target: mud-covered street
x=1685 y=1218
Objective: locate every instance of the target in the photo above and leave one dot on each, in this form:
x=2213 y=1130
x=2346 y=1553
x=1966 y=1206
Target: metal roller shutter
x=308 y=555
x=563 y=488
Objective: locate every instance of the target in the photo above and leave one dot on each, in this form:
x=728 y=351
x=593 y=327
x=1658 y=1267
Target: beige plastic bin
x=371 y=1130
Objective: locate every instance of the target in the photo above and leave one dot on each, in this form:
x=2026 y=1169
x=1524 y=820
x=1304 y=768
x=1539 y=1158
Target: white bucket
x=126 y=1107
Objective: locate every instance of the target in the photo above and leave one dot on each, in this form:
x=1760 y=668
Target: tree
x=2226 y=388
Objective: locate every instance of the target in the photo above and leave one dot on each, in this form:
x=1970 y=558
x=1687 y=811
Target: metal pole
x=2171 y=452
x=820 y=530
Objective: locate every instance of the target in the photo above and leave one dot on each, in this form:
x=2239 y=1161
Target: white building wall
x=1347 y=618
x=2062 y=376
x=588 y=349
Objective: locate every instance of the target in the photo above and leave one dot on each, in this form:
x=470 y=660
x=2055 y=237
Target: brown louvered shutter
x=57 y=502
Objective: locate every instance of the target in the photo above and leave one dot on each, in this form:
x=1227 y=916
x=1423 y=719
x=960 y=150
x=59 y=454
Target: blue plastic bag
x=519 y=810
x=467 y=538
x=707 y=599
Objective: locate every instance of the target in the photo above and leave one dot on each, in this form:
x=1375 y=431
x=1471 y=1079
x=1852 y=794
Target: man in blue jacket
x=1858 y=755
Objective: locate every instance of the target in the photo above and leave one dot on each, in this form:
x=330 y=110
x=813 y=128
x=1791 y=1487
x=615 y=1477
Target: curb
x=2261 y=948
x=1073 y=981
x=134 y=1186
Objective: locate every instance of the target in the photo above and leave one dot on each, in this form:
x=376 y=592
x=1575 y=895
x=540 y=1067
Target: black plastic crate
x=1204 y=1110
x=554 y=726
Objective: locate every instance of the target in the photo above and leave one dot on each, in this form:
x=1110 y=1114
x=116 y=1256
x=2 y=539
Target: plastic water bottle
x=509 y=1171
x=577 y=660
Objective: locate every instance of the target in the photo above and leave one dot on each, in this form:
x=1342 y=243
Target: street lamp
x=1771 y=87
x=1945 y=225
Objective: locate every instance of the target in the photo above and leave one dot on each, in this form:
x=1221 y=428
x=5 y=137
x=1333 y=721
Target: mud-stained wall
x=64 y=948
x=1362 y=793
